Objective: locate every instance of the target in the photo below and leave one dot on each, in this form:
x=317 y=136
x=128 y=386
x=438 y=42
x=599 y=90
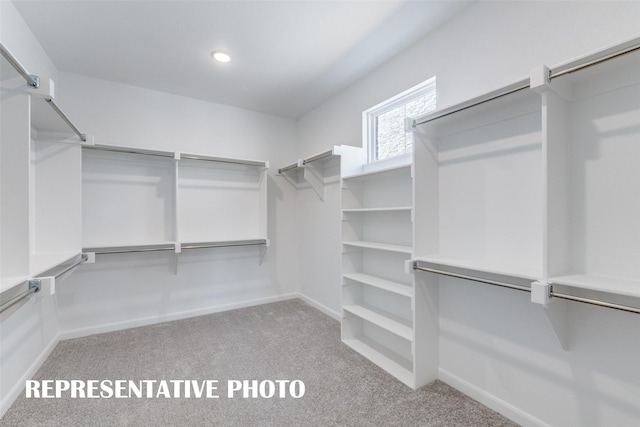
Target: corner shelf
x=313 y=169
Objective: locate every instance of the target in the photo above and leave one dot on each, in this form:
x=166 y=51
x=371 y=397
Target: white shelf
x=320 y=157
x=389 y=209
x=482 y=266
x=369 y=173
x=387 y=285
x=610 y=285
x=380 y=246
x=387 y=360
x=41 y=262
x=128 y=247
x=391 y=323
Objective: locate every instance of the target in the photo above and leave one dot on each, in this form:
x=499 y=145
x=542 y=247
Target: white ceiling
x=288 y=56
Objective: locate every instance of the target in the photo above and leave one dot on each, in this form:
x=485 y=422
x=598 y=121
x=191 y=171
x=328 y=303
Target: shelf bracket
x=315 y=179
x=262 y=252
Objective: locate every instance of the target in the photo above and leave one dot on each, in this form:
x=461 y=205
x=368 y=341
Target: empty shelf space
x=380 y=246
x=387 y=321
x=387 y=285
x=611 y=285
x=379 y=171
x=394 y=364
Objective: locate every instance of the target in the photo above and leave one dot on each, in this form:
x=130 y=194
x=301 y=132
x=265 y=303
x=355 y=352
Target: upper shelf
x=373 y=172
x=301 y=163
x=45 y=119
x=177 y=155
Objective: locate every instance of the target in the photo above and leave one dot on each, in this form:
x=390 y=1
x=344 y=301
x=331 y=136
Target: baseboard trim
x=17 y=388
x=151 y=320
x=489 y=400
x=323 y=308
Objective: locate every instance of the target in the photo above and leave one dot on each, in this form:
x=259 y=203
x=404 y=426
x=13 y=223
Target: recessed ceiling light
x=220 y=56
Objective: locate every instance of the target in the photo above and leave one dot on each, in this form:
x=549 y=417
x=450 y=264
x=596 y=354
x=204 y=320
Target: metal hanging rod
x=34 y=286
x=286 y=168
x=130 y=249
x=589 y=63
x=623 y=50
x=318 y=157
x=222 y=160
x=307 y=160
x=171 y=246
x=596 y=302
x=552 y=293
x=516 y=87
x=33 y=81
x=204 y=245
x=128 y=150
x=82 y=136
x=475 y=279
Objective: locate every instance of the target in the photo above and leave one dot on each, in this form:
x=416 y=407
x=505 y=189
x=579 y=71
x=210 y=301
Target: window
x=384 y=124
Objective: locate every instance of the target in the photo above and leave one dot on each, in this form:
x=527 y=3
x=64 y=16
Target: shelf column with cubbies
x=377 y=292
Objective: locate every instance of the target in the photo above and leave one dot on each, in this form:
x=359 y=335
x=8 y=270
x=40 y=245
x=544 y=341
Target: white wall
x=494 y=344
x=132 y=289
x=29 y=334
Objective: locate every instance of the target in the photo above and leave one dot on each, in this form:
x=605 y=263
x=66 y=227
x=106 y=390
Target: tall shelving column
x=377 y=292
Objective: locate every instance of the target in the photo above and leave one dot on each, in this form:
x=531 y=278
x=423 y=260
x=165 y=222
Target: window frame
x=369 y=117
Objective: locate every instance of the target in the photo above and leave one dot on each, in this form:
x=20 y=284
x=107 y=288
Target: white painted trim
x=323 y=308
x=144 y=321
x=17 y=388
x=517 y=415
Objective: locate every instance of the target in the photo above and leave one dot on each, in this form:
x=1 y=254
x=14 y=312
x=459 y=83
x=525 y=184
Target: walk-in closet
x=320 y=213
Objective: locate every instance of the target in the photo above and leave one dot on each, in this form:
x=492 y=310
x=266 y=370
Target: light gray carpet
x=285 y=340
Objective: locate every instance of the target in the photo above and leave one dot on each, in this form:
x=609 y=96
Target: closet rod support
x=34 y=287
x=32 y=80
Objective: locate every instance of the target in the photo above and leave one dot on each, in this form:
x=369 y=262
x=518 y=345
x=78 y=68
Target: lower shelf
x=387 y=321
x=392 y=363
